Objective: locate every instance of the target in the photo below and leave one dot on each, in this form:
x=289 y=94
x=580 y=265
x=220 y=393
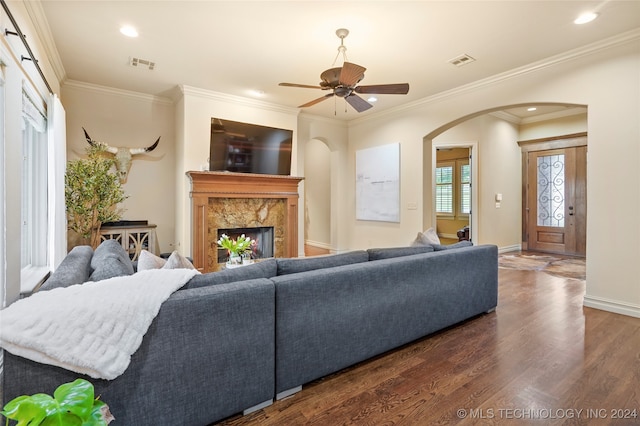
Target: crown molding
x=43 y=31
x=238 y=100
x=95 y=88
x=503 y=115
x=553 y=115
x=605 y=44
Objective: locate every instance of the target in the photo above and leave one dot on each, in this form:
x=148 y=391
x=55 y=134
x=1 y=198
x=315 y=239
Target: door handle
x=570 y=210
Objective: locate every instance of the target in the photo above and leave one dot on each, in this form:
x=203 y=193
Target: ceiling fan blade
x=384 y=89
x=351 y=74
x=315 y=101
x=305 y=86
x=358 y=103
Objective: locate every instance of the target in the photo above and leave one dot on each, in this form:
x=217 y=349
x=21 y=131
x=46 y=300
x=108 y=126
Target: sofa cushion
x=263 y=269
x=110 y=260
x=389 y=252
x=178 y=261
x=294 y=265
x=74 y=269
x=459 y=244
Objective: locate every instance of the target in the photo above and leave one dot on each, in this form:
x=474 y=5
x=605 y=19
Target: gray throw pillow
x=294 y=265
x=110 y=260
x=75 y=268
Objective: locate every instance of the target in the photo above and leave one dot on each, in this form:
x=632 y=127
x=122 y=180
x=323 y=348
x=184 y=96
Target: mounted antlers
x=122 y=155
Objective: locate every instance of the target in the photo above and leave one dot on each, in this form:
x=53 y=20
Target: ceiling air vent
x=461 y=60
x=137 y=62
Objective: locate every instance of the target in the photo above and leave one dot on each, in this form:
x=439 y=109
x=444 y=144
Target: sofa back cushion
x=295 y=265
x=110 y=260
x=389 y=252
x=75 y=268
x=264 y=269
x=459 y=244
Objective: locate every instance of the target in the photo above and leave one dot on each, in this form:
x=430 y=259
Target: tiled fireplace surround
x=222 y=200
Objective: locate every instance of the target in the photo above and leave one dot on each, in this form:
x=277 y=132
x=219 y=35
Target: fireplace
x=226 y=200
x=262 y=235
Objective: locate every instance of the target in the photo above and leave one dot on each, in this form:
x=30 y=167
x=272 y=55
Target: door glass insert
x=551 y=190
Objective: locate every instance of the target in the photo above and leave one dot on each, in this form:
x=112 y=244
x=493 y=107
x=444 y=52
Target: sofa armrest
x=207 y=355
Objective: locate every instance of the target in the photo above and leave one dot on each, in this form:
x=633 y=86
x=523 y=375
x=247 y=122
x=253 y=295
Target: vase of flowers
x=239 y=250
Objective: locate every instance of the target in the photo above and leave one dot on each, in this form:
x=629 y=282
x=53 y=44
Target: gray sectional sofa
x=234 y=340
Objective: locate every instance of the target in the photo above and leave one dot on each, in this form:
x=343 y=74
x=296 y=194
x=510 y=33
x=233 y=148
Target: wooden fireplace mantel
x=206 y=185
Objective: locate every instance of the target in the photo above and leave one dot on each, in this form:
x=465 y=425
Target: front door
x=556 y=200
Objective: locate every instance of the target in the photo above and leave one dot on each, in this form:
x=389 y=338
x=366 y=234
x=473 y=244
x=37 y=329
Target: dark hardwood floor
x=541 y=358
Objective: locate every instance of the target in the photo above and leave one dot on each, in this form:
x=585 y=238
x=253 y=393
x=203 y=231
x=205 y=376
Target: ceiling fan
x=343 y=82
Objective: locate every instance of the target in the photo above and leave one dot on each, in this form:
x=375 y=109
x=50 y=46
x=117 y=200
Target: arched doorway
x=497 y=184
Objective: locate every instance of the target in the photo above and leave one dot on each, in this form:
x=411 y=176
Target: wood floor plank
x=540 y=358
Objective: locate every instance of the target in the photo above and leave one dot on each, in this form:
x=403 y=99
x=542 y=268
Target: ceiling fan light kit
x=343 y=82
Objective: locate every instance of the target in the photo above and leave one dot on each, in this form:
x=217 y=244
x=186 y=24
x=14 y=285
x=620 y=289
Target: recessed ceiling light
x=372 y=99
x=585 y=18
x=129 y=31
x=532 y=109
x=256 y=93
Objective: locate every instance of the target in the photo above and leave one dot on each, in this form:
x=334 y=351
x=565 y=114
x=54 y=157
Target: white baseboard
x=506 y=249
x=317 y=244
x=612 y=306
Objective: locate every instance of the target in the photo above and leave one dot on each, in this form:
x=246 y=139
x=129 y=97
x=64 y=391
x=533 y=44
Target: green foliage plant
x=92 y=192
x=72 y=404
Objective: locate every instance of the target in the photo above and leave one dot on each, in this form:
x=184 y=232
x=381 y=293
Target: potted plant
x=92 y=192
x=72 y=404
x=237 y=249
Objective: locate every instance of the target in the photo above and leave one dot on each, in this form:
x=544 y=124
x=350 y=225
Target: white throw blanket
x=90 y=328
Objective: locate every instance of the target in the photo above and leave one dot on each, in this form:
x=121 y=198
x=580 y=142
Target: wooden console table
x=133 y=238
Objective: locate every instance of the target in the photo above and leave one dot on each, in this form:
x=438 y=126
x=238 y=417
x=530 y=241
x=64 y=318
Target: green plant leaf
x=73 y=404
x=76 y=397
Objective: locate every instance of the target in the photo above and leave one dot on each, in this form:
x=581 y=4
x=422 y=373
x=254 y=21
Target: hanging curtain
x=57 y=141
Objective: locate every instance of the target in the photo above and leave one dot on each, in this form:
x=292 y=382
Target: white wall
x=499 y=171
x=553 y=127
x=128 y=119
x=317 y=200
x=605 y=79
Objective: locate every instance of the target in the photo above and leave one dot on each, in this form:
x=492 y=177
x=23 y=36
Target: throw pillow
x=177 y=261
x=148 y=260
x=428 y=237
x=110 y=260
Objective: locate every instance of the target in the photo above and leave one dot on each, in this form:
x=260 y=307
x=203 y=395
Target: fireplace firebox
x=263 y=236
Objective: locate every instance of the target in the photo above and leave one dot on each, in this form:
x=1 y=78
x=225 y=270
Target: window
x=444 y=189
x=453 y=188
x=34 y=213
x=465 y=189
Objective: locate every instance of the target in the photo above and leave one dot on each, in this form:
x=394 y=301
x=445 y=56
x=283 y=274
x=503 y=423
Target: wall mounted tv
x=249 y=148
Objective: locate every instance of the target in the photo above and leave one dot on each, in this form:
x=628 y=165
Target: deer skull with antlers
x=122 y=155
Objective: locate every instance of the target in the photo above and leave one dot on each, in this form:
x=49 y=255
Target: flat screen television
x=249 y=148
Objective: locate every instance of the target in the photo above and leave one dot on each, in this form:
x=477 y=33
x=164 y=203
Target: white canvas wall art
x=378 y=183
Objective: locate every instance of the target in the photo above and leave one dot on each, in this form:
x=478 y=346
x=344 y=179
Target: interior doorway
x=555 y=195
x=453 y=194
x=467 y=151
